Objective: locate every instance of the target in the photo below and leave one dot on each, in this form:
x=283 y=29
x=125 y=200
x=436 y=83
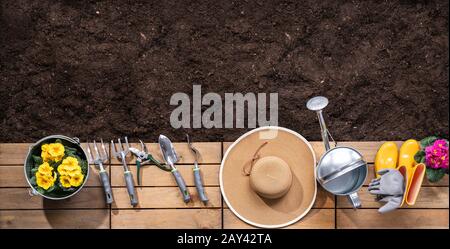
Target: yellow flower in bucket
x=69 y=166
x=44 y=154
x=76 y=170
x=65 y=181
x=77 y=179
x=70 y=162
x=56 y=150
x=45 y=169
x=53 y=151
x=45 y=181
x=62 y=170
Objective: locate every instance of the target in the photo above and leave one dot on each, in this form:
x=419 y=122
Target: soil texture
x=108 y=68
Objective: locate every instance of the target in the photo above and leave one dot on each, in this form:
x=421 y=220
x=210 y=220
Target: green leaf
x=37 y=160
x=419 y=157
x=70 y=151
x=84 y=166
x=435 y=175
x=54 y=164
x=33 y=180
x=33 y=171
x=427 y=141
x=58 y=141
x=50 y=189
x=41 y=190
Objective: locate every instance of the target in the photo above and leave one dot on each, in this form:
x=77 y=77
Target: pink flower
x=436 y=155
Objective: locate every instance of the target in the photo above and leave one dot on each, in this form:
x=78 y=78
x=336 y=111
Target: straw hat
x=267 y=177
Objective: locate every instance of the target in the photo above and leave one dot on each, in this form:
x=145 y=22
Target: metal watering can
x=341 y=170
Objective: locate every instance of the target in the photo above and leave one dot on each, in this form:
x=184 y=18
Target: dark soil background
x=108 y=68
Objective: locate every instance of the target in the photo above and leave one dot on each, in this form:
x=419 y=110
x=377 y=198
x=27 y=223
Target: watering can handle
x=325 y=132
x=353 y=198
x=332 y=139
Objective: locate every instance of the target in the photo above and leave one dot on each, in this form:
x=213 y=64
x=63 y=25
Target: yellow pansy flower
x=45 y=181
x=44 y=147
x=77 y=179
x=65 y=181
x=45 y=156
x=56 y=150
x=45 y=169
x=76 y=170
x=62 y=170
x=70 y=161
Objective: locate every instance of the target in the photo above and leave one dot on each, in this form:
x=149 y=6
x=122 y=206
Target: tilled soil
x=108 y=68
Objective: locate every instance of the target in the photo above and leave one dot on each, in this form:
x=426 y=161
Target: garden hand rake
x=101 y=157
x=121 y=154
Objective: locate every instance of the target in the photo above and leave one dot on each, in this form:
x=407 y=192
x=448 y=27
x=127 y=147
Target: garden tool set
x=197 y=175
x=144 y=157
x=120 y=153
x=399 y=178
x=101 y=157
x=342 y=170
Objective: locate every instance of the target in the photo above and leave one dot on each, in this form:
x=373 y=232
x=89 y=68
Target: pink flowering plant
x=434 y=153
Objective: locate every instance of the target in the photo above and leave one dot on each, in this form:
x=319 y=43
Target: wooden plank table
x=161 y=206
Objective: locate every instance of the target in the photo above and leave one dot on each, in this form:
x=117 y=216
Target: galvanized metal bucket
x=28 y=164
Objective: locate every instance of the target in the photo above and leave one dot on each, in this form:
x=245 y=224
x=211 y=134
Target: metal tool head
x=317 y=103
x=167 y=150
x=143 y=146
x=121 y=151
x=101 y=156
x=193 y=149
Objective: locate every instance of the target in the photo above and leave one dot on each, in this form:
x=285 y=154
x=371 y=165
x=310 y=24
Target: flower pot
x=35 y=148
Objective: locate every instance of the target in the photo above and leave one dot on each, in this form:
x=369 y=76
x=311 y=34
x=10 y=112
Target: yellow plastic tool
x=413 y=184
x=389 y=157
x=386 y=157
x=406 y=157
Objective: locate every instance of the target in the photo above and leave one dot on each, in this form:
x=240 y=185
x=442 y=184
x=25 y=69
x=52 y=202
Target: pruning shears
x=144 y=157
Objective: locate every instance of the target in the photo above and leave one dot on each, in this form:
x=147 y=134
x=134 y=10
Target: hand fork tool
x=197 y=176
x=121 y=154
x=101 y=157
x=144 y=157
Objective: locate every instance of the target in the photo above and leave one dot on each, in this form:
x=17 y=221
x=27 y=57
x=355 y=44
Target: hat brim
x=247 y=205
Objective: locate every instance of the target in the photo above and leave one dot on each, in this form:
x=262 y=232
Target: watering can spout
x=317 y=104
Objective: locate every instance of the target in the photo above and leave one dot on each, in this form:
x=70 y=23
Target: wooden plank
x=324 y=199
x=166 y=218
x=403 y=218
x=153 y=176
x=166 y=197
x=13 y=176
x=315 y=219
x=19 y=198
x=367 y=148
x=15 y=153
x=54 y=218
x=210 y=152
x=443 y=182
x=429 y=197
